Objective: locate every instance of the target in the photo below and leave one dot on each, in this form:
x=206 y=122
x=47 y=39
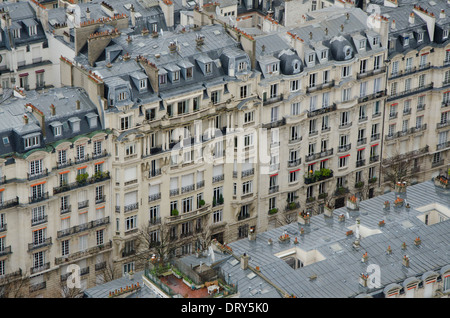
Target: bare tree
x=397 y=168
x=13 y=286
x=67 y=292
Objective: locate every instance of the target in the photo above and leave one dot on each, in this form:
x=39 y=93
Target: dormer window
x=272 y=68
x=189 y=72
x=406 y=41
x=311 y=58
x=162 y=79
x=175 y=76
x=92 y=120
x=419 y=37
x=242 y=66
x=445 y=34
x=16 y=33
x=143 y=84
x=324 y=55
x=75 y=124
x=57 y=128
x=208 y=68
x=32 y=30
x=31 y=141
x=376 y=41
x=362 y=44
x=348 y=52
x=121 y=96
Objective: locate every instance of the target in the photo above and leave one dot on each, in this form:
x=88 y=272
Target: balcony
x=44 y=243
x=40 y=220
x=317 y=87
x=409 y=154
x=393 y=115
x=322 y=110
x=361 y=141
x=98 y=177
x=82 y=159
x=5 y=251
x=174 y=192
x=273 y=189
x=154 y=221
x=359 y=184
x=275 y=124
x=341 y=191
x=406 y=132
x=406 y=93
x=38 y=286
x=200 y=184
x=319 y=155
x=100 y=266
x=100 y=199
x=63 y=164
x=98 y=155
x=291 y=206
x=37 y=269
x=90 y=251
x=83 y=227
x=420 y=107
x=407 y=111
x=65 y=209
x=364 y=73
x=9 y=203
x=318 y=175
x=442 y=124
x=3 y=227
x=374 y=159
x=273 y=100
x=344 y=148
x=294 y=163
x=439 y=163
x=411 y=70
x=37 y=175
x=218 y=178
x=188 y=188
x=443 y=145
x=83 y=204
x=154 y=173
x=360 y=163
x=128 y=253
x=154 y=197
x=370 y=97
x=345 y=125
x=130 y=207
x=248 y=172
x=38 y=198
x=375 y=137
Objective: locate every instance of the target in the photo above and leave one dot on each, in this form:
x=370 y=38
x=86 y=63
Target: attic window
x=376 y=41
x=32 y=30
x=176 y=76
x=272 y=68
x=362 y=44
x=445 y=34
x=31 y=141
x=406 y=41
x=16 y=33
x=162 y=79
x=208 y=68
x=5 y=140
x=324 y=55
x=419 y=37
x=142 y=84
x=189 y=72
x=122 y=96
x=242 y=66
x=311 y=58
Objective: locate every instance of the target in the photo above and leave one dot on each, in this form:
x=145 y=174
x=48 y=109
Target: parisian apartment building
x=131 y=127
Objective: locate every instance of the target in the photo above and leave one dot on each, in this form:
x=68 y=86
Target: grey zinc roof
x=337 y=274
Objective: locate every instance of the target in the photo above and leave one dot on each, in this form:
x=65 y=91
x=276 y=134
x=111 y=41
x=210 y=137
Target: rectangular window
x=65 y=247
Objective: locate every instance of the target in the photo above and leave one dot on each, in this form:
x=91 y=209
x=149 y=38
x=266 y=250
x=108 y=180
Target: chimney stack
x=244 y=261
x=88 y=14
x=25 y=119
x=412 y=18
x=133 y=16
x=53 y=110
x=78 y=105
x=393 y=25
x=442 y=15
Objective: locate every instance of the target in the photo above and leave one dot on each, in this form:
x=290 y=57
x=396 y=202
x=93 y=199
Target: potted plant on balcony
x=174 y=212
x=82 y=178
x=201 y=202
x=373 y=180
x=220 y=199
x=292 y=206
x=359 y=184
x=273 y=211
